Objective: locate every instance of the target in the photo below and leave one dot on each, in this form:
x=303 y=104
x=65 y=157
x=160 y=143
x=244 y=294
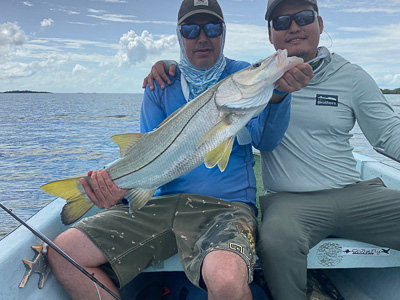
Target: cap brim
x=198 y=11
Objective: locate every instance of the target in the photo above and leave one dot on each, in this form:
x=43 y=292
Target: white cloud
x=96 y=11
x=392 y=80
x=11 y=35
x=126 y=19
x=78 y=68
x=115 y=18
x=47 y=22
x=135 y=49
x=241 y=45
x=26 y=3
x=13 y=70
x=70 y=12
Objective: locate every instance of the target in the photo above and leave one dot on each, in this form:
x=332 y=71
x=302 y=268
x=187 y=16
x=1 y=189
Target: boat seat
x=338 y=253
x=330 y=253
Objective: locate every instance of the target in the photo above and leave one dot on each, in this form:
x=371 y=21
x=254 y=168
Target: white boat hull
x=360 y=275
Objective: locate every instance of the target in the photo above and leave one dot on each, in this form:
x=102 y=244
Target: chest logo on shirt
x=327 y=100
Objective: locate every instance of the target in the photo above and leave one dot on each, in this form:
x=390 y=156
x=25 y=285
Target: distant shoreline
x=384 y=91
x=387 y=91
x=24 y=92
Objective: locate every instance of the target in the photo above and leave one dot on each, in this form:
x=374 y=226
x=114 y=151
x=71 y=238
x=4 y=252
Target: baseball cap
x=272 y=4
x=191 y=7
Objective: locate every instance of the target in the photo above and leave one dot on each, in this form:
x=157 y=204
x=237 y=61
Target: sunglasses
x=192 y=31
x=301 y=18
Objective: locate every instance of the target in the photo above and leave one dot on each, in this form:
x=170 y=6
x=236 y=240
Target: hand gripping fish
x=201 y=131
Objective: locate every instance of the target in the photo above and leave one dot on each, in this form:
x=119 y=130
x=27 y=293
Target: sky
x=109 y=46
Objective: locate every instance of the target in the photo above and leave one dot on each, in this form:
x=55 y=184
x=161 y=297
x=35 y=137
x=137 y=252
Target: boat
x=357 y=270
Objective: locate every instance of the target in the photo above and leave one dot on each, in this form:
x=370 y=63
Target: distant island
x=387 y=91
x=384 y=91
x=22 y=92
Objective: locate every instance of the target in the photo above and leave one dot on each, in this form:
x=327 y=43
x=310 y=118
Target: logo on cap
x=200 y=2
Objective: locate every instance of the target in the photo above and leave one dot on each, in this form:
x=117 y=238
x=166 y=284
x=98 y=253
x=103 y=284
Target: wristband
x=279 y=93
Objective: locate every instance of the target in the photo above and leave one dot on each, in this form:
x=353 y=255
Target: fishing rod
x=381 y=151
x=59 y=251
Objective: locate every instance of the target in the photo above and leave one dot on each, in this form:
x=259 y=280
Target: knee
x=280 y=237
x=64 y=241
x=225 y=273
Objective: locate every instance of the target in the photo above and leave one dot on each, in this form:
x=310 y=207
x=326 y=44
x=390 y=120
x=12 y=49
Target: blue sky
x=108 y=46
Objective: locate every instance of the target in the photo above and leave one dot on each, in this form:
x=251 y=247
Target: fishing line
x=329 y=39
x=97 y=289
x=59 y=251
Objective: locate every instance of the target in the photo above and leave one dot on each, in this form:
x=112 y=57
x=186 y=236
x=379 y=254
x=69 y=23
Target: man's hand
x=293 y=80
x=158 y=73
x=105 y=192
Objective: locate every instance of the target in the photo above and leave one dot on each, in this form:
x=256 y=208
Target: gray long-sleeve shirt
x=315 y=152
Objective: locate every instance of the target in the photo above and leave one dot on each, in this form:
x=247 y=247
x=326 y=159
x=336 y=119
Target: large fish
x=202 y=131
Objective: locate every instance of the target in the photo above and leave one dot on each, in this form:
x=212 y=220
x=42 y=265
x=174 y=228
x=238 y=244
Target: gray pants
x=295 y=222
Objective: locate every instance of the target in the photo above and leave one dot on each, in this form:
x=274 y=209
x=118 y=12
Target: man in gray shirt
x=315 y=190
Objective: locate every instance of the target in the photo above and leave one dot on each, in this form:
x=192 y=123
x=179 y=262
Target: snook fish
x=202 y=131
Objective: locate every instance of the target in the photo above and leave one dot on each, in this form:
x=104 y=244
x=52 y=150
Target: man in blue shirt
x=208 y=217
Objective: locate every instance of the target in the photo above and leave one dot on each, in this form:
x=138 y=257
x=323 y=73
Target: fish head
x=252 y=88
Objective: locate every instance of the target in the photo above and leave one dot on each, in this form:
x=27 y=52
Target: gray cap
x=272 y=4
x=192 y=7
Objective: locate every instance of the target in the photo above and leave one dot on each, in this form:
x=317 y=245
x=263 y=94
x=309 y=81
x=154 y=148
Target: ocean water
x=46 y=137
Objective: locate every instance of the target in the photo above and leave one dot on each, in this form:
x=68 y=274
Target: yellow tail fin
x=77 y=204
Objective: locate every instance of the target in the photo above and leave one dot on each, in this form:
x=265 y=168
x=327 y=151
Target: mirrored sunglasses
x=192 y=31
x=301 y=18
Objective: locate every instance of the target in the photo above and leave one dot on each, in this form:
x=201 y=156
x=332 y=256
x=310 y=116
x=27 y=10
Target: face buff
x=194 y=81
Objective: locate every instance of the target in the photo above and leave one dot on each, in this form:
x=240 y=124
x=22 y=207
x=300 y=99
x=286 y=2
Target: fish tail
x=77 y=201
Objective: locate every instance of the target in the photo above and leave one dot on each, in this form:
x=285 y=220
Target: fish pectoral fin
x=138 y=198
x=77 y=202
x=244 y=136
x=220 y=126
x=126 y=140
x=220 y=155
x=225 y=158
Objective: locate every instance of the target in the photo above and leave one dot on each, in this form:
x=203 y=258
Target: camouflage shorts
x=192 y=225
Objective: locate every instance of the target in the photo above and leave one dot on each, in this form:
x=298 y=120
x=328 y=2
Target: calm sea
x=46 y=137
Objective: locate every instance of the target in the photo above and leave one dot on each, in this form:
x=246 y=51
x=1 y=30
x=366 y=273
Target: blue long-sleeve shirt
x=237 y=182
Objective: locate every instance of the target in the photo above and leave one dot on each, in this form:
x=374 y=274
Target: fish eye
x=256 y=65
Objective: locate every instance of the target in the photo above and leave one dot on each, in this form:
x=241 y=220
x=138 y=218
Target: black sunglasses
x=192 y=31
x=301 y=18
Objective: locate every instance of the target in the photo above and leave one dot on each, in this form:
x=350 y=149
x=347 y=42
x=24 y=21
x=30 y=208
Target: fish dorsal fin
x=138 y=198
x=220 y=155
x=244 y=136
x=126 y=141
x=220 y=126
